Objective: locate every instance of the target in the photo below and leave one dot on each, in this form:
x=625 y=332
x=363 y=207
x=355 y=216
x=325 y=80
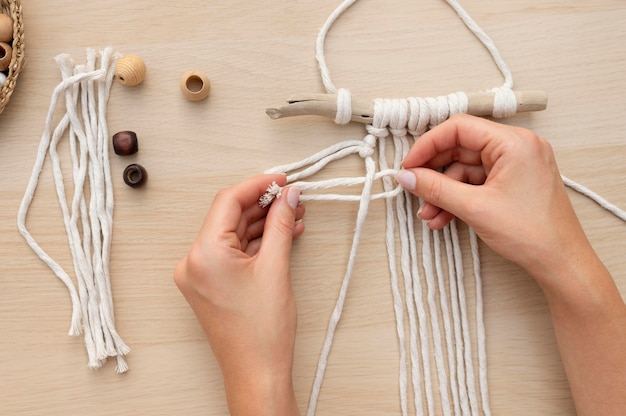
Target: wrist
x=574 y=280
x=260 y=393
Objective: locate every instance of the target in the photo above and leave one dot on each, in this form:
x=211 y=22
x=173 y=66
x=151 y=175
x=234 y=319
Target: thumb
x=279 y=225
x=437 y=189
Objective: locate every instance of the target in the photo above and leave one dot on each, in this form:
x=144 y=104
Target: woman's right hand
x=501 y=180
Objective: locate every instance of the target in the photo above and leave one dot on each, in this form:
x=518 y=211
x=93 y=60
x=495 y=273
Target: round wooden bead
x=125 y=143
x=130 y=70
x=6 y=28
x=135 y=175
x=5 y=55
x=195 y=86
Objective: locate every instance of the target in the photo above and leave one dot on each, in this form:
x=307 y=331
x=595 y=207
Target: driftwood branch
x=325 y=105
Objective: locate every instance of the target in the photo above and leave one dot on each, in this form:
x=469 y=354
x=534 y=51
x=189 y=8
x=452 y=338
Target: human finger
x=466 y=173
x=230 y=204
x=250 y=242
x=255 y=229
x=438 y=190
x=461 y=136
x=280 y=224
x=438 y=218
x=254 y=245
x=253 y=232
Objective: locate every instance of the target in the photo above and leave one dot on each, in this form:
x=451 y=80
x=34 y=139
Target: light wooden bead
x=5 y=56
x=130 y=70
x=6 y=28
x=195 y=86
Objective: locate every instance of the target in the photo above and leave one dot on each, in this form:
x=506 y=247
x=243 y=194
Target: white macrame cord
x=88 y=219
x=452 y=367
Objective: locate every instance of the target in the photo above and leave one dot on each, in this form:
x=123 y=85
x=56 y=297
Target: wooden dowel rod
x=325 y=105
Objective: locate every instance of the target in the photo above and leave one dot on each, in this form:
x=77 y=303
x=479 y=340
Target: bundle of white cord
x=88 y=220
x=434 y=300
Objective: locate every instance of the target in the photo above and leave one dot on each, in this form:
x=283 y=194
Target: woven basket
x=14 y=9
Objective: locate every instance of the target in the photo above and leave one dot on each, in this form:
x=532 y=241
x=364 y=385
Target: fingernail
x=419 y=211
x=293 y=197
x=406 y=179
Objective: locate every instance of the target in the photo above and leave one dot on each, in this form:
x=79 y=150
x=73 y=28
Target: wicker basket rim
x=14 y=9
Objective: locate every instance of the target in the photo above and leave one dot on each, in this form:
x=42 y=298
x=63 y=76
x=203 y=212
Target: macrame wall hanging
x=88 y=213
x=447 y=358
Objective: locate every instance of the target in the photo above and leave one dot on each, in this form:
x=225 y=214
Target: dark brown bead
x=125 y=143
x=135 y=175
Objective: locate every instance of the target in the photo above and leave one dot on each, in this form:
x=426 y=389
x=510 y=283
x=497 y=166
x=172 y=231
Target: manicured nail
x=406 y=179
x=419 y=211
x=293 y=197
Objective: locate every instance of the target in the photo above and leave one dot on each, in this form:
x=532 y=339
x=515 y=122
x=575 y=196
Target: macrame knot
x=425 y=113
x=457 y=103
x=439 y=110
x=397 y=111
x=504 y=102
x=369 y=144
x=398 y=132
x=418 y=116
x=380 y=132
x=344 y=107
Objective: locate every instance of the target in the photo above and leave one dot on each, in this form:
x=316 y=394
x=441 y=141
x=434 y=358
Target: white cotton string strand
x=331 y=183
x=81 y=123
x=321 y=40
x=381 y=119
x=119 y=348
x=415 y=283
x=323 y=162
x=420 y=388
x=78 y=154
x=93 y=338
x=319 y=160
x=613 y=209
x=410 y=272
x=505 y=102
x=344 y=107
x=485 y=40
x=446 y=317
x=434 y=319
x=468 y=362
x=390 y=238
x=85 y=132
x=480 y=325
x=461 y=385
x=422 y=327
x=350 y=198
x=404 y=209
x=337 y=311
x=75 y=327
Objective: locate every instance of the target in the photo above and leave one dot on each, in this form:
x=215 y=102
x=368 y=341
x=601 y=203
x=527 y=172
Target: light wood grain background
x=257 y=53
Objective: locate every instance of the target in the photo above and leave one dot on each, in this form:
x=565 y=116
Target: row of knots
x=415 y=115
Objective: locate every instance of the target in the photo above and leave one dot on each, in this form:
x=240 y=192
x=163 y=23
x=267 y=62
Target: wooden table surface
x=256 y=55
